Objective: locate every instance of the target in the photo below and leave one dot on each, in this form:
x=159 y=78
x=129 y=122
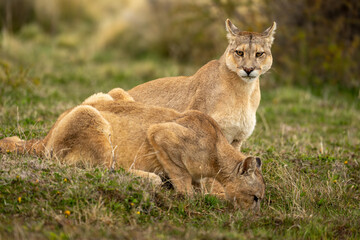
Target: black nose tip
x=248 y=70
x=256 y=198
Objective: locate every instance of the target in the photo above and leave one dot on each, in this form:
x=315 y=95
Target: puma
x=114 y=131
x=227 y=89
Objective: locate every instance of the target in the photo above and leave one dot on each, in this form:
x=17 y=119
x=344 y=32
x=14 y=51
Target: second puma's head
x=249 y=53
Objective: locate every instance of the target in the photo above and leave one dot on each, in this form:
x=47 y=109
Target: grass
x=309 y=142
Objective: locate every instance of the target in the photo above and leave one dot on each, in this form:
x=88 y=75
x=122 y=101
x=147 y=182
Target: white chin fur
x=248 y=78
x=242 y=74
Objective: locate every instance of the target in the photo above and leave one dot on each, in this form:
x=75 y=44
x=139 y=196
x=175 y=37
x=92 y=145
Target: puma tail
x=15 y=144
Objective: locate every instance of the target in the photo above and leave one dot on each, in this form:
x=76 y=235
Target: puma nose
x=248 y=70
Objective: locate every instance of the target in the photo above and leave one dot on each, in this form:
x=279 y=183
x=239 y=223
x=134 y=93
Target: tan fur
x=221 y=88
x=149 y=142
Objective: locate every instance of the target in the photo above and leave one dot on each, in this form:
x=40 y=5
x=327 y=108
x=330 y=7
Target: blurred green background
x=317 y=42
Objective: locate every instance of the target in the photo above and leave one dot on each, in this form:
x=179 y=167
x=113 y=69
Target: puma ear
x=231 y=29
x=249 y=165
x=258 y=163
x=270 y=32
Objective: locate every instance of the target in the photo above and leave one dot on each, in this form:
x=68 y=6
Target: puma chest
x=236 y=123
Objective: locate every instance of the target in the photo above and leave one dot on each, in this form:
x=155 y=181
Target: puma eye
x=239 y=53
x=259 y=54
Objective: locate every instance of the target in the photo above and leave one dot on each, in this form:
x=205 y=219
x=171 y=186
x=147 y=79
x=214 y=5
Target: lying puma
x=114 y=131
x=226 y=89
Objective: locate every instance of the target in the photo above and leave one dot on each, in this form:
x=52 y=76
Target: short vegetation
x=307 y=133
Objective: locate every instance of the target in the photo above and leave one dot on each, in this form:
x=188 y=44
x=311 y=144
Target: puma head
x=249 y=53
x=247 y=187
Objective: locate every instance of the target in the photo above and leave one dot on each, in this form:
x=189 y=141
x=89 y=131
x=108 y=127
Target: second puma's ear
x=270 y=32
x=231 y=29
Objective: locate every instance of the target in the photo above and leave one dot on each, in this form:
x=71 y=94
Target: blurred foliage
x=321 y=40
x=49 y=14
x=317 y=42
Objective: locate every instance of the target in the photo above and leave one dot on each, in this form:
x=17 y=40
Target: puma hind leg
x=83 y=135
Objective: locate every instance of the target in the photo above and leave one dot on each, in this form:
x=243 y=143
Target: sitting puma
x=227 y=89
x=113 y=130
